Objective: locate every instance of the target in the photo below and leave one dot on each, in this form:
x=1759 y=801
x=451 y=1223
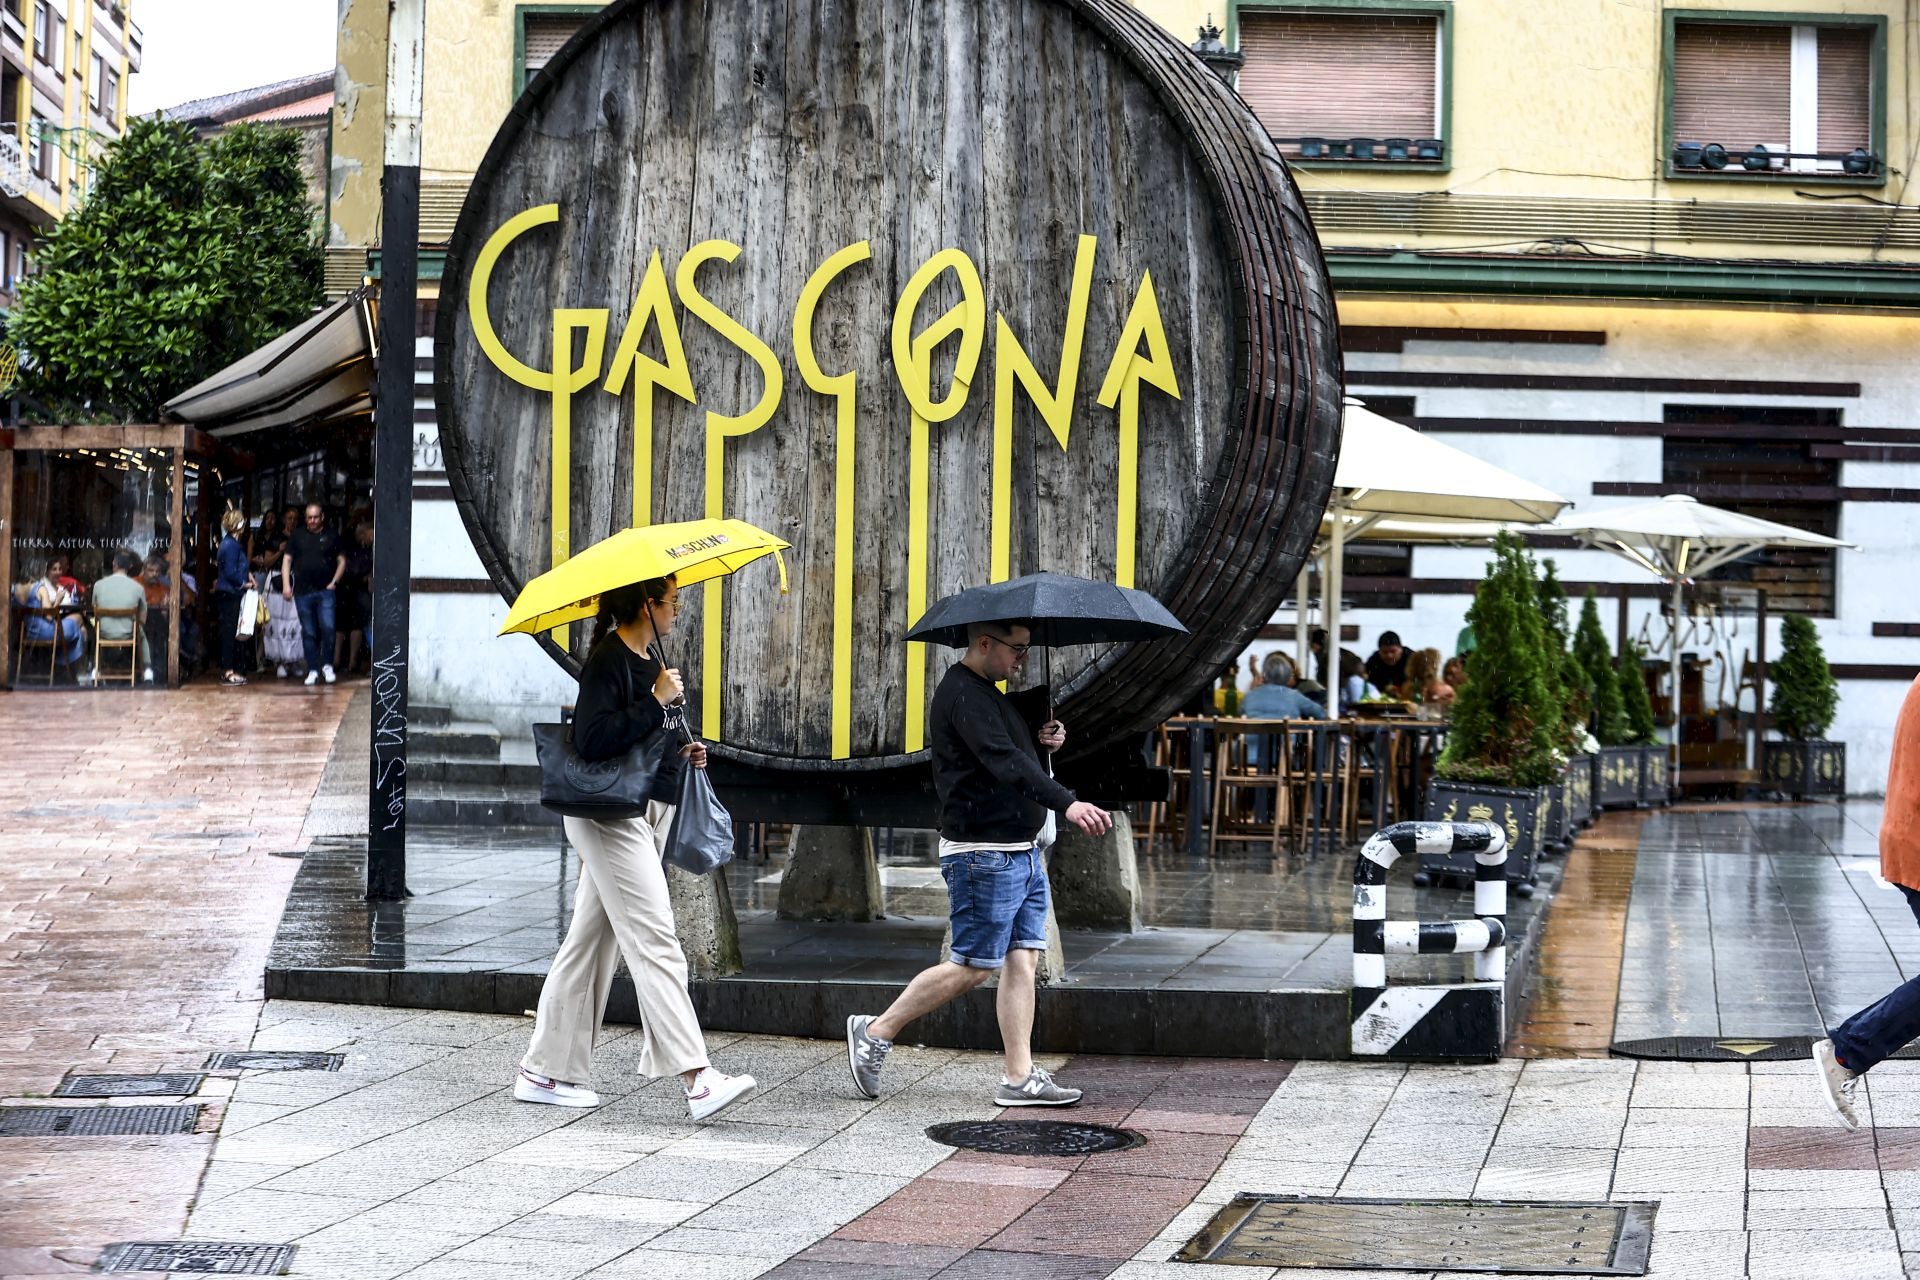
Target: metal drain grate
x=172 y=1086
x=267 y=1060
x=1548 y=1238
x=202 y=1257
x=1728 y=1049
x=93 y=1122
x=1034 y=1137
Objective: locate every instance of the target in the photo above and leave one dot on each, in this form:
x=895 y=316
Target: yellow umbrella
x=692 y=551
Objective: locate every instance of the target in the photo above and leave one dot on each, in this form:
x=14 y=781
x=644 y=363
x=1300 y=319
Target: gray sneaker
x=865 y=1055
x=1037 y=1090
x=1837 y=1084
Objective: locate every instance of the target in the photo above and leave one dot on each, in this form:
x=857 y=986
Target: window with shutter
x=1329 y=78
x=1801 y=91
x=545 y=33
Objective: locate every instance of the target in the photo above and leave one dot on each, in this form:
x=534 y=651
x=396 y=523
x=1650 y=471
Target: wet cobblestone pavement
x=414 y=1161
x=138 y=898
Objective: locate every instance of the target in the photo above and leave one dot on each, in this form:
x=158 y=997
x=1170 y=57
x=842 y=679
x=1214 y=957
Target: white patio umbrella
x=1678 y=538
x=1390 y=473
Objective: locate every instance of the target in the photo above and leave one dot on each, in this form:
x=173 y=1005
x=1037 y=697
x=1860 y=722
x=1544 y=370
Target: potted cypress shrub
x=1805 y=698
x=1649 y=776
x=1574 y=693
x=1607 y=716
x=1501 y=746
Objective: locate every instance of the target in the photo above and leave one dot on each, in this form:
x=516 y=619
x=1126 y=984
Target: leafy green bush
x=185 y=256
x=1506 y=719
x=1805 y=695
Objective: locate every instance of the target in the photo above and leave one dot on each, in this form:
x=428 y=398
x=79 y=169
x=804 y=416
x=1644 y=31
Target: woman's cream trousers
x=621 y=908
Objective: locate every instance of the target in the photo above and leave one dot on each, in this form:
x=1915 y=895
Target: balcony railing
x=13 y=162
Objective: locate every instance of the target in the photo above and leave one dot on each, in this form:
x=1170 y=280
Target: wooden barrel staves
x=942 y=294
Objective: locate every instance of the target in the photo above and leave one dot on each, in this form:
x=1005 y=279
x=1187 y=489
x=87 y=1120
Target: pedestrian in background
x=995 y=794
x=230 y=584
x=620 y=907
x=311 y=568
x=1881 y=1029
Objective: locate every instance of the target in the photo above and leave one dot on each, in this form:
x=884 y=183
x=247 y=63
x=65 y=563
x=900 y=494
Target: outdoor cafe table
x=1374 y=738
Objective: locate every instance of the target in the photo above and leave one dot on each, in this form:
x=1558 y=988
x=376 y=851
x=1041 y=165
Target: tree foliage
x=185 y=256
x=1641 y=730
x=1609 y=714
x=1805 y=696
x=1572 y=688
x=1506 y=719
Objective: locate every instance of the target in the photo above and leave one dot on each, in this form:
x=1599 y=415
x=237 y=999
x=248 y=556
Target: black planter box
x=1653 y=777
x=1523 y=812
x=1616 y=776
x=1594 y=806
x=1803 y=769
x=1561 y=818
x=1580 y=803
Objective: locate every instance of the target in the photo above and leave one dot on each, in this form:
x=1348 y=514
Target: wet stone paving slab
x=414 y=1160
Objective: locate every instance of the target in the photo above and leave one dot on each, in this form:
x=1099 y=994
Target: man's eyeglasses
x=1019 y=650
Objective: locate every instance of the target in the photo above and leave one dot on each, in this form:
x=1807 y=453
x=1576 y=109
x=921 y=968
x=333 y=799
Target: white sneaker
x=313 y=678
x=528 y=1087
x=326 y=671
x=713 y=1090
x=1836 y=1083
x=281 y=671
x=147 y=675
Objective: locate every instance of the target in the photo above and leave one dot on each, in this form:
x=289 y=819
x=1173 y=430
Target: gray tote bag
x=700 y=840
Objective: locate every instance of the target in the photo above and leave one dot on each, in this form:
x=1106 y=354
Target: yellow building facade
x=1624 y=248
x=65 y=68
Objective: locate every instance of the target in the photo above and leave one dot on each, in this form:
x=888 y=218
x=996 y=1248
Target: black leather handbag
x=600 y=789
x=604 y=790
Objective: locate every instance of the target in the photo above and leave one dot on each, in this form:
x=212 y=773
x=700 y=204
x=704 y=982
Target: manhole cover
x=199 y=1256
x=1729 y=1048
x=171 y=1086
x=1034 y=1137
x=266 y=1060
x=90 y=1122
x=1537 y=1237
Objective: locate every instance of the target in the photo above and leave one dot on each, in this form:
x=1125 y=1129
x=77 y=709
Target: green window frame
x=1441 y=10
x=1876 y=104
x=520 y=12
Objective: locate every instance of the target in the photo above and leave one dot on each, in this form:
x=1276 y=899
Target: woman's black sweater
x=616 y=711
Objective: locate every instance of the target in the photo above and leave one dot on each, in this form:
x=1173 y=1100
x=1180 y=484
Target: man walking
x=310 y=570
x=994 y=795
x=1882 y=1028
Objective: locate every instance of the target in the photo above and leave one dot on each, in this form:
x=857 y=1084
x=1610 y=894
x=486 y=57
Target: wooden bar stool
x=102 y=642
x=1248 y=763
x=51 y=644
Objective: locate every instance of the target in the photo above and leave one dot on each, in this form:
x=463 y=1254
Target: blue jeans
x=316 y=626
x=999 y=904
x=74 y=646
x=1886 y=1026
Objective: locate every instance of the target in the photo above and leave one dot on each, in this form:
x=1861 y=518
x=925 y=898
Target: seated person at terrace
x=1275 y=698
x=122 y=589
x=1387 y=668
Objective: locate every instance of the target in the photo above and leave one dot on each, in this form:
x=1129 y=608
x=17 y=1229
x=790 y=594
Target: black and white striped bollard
x=1456 y=1021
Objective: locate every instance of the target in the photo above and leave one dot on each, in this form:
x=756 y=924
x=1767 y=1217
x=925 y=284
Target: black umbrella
x=1059 y=609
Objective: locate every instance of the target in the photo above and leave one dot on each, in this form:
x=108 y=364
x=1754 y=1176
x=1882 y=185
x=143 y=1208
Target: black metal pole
x=393 y=455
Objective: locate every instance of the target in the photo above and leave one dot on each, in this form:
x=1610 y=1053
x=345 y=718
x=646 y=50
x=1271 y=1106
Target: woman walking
x=621 y=906
x=229 y=588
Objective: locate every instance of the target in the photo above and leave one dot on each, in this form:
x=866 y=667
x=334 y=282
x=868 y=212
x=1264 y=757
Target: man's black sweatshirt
x=986 y=764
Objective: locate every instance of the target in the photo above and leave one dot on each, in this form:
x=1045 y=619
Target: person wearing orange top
x=1881 y=1029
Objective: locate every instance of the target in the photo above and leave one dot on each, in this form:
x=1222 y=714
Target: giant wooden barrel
x=941 y=293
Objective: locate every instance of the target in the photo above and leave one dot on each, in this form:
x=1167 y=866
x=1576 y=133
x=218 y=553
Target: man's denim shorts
x=999 y=904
